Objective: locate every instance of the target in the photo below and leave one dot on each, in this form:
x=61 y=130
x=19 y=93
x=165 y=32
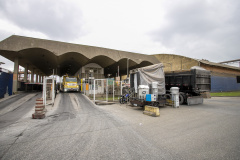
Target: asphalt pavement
x=9 y=100
x=13 y=109
x=75 y=128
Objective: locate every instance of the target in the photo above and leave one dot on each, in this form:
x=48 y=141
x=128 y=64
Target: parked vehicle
x=69 y=84
x=148 y=81
x=191 y=83
x=151 y=86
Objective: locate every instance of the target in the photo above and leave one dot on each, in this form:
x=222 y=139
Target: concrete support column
x=15 y=75
x=37 y=77
x=32 y=75
x=26 y=73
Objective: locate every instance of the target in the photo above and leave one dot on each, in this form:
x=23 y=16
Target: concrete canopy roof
x=46 y=55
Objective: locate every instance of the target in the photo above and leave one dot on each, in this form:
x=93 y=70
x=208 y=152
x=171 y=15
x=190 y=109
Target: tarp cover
x=153 y=73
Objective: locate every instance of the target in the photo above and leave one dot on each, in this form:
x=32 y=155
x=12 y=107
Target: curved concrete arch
x=143 y=64
x=43 y=59
x=70 y=62
x=122 y=65
x=102 y=60
x=80 y=58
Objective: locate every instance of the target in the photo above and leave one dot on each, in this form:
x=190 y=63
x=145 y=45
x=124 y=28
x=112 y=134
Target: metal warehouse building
x=42 y=56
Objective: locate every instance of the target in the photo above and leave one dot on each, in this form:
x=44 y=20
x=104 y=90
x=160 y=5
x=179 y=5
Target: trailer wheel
x=155 y=104
x=168 y=96
x=181 y=99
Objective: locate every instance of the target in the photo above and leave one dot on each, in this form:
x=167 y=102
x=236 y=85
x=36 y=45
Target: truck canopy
x=147 y=75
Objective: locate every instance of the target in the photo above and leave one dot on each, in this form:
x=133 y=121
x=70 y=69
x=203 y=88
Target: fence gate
x=106 y=90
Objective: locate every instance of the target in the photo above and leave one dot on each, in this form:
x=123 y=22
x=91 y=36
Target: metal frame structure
x=231 y=61
x=44 y=93
x=107 y=89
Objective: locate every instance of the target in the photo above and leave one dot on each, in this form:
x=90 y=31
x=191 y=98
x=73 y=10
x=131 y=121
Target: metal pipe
x=127 y=66
x=107 y=91
x=113 y=90
x=121 y=87
x=231 y=61
x=53 y=90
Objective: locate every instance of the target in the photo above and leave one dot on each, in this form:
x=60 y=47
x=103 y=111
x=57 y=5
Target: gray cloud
x=202 y=29
x=60 y=20
x=8 y=64
x=4 y=34
x=206 y=29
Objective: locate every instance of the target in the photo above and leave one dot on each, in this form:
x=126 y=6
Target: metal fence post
x=45 y=92
x=107 y=91
x=94 y=90
x=53 y=90
x=121 y=87
x=113 y=89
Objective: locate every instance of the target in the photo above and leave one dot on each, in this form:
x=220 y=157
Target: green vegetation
x=226 y=94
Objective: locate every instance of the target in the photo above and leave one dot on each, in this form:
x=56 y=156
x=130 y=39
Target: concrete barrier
x=151 y=111
x=194 y=100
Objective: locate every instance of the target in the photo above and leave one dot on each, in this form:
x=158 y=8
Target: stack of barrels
x=39 y=110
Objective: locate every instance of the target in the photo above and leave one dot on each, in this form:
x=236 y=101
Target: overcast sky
x=202 y=29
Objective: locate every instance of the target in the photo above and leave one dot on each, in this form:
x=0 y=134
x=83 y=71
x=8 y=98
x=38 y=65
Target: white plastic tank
x=155 y=89
x=174 y=90
x=175 y=96
x=142 y=91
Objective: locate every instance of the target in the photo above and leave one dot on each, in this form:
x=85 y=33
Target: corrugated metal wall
x=219 y=84
x=6 y=81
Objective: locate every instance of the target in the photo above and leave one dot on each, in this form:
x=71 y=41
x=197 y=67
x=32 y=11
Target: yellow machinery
x=69 y=84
